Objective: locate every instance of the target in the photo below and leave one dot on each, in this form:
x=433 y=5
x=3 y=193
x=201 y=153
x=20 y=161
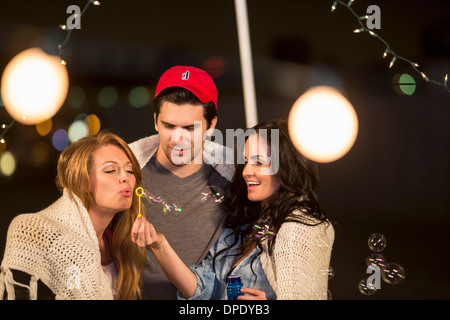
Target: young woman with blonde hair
x=80 y=246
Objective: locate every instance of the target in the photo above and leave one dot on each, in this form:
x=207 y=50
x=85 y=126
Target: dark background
x=394 y=180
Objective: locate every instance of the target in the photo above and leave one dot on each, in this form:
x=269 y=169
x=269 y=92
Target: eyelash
x=112 y=171
x=172 y=127
x=258 y=163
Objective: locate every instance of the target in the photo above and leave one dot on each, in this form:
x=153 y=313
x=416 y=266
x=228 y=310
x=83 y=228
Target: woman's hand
x=252 y=294
x=144 y=234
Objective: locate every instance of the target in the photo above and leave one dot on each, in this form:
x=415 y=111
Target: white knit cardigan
x=298 y=267
x=58 y=246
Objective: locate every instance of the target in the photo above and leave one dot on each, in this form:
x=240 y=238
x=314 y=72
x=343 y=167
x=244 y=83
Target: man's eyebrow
x=172 y=125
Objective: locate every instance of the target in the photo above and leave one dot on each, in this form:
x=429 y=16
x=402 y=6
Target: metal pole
x=251 y=115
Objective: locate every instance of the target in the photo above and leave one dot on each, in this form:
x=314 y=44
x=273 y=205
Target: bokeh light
x=107 y=97
x=215 y=66
x=77 y=130
x=76 y=97
x=322 y=124
x=7 y=164
x=404 y=84
x=45 y=127
x=139 y=97
x=34 y=86
x=93 y=124
x=60 y=139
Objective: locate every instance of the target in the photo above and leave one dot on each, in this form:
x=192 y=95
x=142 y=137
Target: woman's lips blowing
x=127 y=192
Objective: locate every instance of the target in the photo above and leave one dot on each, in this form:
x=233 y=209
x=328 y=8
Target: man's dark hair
x=181 y=96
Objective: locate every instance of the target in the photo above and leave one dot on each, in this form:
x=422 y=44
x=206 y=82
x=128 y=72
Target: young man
x=181 y=169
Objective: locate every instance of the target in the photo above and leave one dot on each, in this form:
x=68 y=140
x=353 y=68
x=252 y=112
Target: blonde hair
x=73 y=167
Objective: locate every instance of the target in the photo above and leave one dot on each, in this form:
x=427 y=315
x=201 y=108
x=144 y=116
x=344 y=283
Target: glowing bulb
x=385 y=53
x=322 y=124
x=424 y=76
x=333 y=7
x=392 y=62
x=34 y=86
x=358 y=30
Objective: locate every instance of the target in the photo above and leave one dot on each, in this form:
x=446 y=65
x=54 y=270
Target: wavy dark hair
x=298 y=179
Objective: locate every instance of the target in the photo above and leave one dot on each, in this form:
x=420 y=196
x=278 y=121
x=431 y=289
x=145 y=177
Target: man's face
x=181 y=129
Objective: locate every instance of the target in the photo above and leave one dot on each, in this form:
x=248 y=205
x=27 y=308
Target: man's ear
x=155 y=117
x=211 y=128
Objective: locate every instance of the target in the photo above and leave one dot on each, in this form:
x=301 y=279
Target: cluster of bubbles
x=391 y=272
x=263 y=230
x=213 y=194
x=166 y=206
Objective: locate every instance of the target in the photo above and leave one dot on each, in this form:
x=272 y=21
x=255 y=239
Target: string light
x=69 y=31
x=60 y=48
x=388 y=50
x=392 y=62
x=5 y=129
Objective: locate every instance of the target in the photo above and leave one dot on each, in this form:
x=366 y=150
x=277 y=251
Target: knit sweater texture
x=59 y=246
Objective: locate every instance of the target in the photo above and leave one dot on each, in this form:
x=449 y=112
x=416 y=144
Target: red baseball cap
x=193 y=79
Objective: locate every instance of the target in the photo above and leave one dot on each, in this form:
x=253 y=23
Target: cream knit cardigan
x=59 y=246
x=298 y=267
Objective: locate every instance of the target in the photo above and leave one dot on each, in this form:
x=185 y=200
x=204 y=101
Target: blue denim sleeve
x=205 y=280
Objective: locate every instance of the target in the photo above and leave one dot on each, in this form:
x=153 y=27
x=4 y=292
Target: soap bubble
x=366 y=288
x=166 y=206
x=393 y=273
x=329 y=272
x=263 y=229
x=213 y=194
x=377 y=242
x=376 y=259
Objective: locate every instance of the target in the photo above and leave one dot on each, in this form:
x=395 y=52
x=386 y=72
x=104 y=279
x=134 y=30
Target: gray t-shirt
x=191 y=232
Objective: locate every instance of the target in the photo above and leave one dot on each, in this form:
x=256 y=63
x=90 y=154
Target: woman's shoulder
x=31 y=227
x=299 y=224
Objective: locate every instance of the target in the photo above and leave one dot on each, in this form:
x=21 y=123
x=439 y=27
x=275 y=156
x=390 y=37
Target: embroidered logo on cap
x=185 y=76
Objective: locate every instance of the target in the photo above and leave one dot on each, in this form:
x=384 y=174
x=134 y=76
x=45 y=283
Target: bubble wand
x=139 y=193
